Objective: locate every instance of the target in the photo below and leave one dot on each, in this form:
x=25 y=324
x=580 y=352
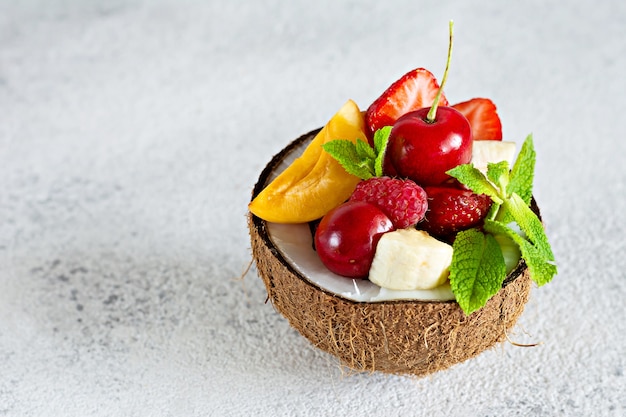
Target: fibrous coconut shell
x=397 y=337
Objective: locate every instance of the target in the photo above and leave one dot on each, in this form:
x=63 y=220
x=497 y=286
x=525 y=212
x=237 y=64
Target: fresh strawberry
x=414 y=90
x=483 y=118
x=451 y=210
x=403 y=201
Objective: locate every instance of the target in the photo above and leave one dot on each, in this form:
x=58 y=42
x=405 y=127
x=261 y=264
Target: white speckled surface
x=132 y=132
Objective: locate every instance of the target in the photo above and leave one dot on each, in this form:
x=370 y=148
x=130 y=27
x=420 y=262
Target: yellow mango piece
x=315 y=182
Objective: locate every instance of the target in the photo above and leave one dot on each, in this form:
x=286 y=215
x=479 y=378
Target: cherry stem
x=432 y=113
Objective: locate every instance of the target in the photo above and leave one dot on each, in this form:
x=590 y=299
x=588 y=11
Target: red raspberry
x=403 y=201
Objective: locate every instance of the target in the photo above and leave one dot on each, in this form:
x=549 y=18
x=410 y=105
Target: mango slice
x=315 y=182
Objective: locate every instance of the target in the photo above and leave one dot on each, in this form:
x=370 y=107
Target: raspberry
x=403 y=201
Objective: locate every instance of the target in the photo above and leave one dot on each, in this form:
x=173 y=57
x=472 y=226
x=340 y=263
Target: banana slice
x=491 y=151
x=410 y=259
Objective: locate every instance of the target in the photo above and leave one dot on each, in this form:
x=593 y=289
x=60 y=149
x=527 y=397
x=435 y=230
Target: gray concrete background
x=132 y=132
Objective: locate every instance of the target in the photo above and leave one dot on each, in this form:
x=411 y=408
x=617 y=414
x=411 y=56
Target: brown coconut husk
x=396 y=337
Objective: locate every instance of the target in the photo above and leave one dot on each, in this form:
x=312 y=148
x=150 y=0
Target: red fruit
x=483 y=118
x=347 y=236
x=424 y=150
x=403 y=201
x=414 y=90
x=451 y=210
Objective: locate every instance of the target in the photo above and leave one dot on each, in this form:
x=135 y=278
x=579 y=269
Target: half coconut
x=368 y=328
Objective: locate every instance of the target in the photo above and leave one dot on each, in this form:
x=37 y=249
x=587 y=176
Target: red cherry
x=426 y=143
x=423 y=150
x=347 y=236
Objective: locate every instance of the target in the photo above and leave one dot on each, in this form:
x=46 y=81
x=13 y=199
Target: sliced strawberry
x=414 y=90
x=483 y=118
x=451 y=210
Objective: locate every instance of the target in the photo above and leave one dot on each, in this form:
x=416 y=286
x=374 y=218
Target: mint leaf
x=364 y=150
x=359 y=158
x=477 y=270
x=523 y=171
x=475 y=180
x=498 y=173
x=530 y=224
x=381 y=138
x=346 y=153
x=542 y=269
x=366 y=155
x=511 y=192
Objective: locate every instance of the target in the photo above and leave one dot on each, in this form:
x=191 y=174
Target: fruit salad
x=414 y=194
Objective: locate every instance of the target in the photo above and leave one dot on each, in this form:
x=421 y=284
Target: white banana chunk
x=410 y=259
x=491 y=151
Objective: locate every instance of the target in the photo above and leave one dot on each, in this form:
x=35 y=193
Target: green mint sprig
x=478 y=268
x=359 y=158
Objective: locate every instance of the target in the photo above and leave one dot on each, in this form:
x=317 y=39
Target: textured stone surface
x=132 y=132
